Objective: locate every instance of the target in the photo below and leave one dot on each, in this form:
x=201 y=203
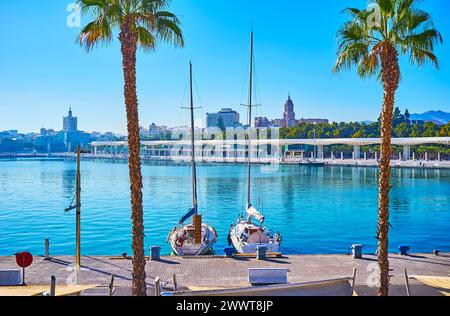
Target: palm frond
x=148 y=19
x=403 y=26
x=95 y=33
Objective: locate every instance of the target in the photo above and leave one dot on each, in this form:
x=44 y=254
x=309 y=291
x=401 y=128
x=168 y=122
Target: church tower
x=289 y=114
x=70 y=123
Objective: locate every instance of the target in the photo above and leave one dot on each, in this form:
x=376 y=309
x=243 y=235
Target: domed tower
x=289 y=114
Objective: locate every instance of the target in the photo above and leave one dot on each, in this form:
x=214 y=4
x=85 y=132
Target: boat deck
x=219 y=272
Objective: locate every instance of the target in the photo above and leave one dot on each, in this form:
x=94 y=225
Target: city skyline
x=70 y=122
x=41 y=83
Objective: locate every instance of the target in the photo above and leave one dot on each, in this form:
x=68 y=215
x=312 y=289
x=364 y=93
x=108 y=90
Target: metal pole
x=175 y=284
x=194 y=173
x=111 y=285
x=157 y=286
x=250 y=100
x=354 y=279
x=315 y=144
x=23 y=270
x=78 y=215
x=53 y=286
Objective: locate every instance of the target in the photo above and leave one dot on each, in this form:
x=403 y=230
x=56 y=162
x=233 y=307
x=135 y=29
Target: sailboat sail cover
x=191 y=213
x=253 y=212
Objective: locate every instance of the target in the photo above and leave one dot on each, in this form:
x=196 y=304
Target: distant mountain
x=438 y=117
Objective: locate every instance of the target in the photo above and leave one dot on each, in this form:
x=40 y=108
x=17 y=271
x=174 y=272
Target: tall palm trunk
x=128 y=40
x=390 y=77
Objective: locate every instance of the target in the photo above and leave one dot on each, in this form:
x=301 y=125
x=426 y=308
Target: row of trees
x=363 y=130
x=402 y=127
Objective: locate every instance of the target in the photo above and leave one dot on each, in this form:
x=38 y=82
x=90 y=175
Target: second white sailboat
x=249 y=232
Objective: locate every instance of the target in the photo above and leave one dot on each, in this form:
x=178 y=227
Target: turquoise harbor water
x=317 y=210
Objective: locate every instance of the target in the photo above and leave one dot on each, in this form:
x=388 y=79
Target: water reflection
x=69 y=177
x=317 y=209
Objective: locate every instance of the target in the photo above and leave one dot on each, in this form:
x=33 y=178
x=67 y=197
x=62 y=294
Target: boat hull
x=188 y=247
x=266 y=239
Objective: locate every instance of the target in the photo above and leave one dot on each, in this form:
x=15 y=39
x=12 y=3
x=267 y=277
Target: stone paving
x=232 y=273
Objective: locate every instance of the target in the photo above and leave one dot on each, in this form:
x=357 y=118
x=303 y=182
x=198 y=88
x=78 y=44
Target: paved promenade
x=232 y=273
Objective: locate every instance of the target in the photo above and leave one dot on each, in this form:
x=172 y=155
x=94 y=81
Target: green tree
x=359 y=134
x=430 y=130
x=445 y=131
x=416 y=130
x=407 y=117
x=141 y=24
x=374 y=46
x=402 y=130
x=397 y=117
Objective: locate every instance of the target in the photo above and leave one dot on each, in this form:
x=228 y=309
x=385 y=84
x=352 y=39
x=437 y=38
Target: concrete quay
x=220 y=272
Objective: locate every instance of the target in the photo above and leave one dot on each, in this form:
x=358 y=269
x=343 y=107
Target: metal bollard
x=229 y=252
x=155 y=253
x=261 y=253
x=47 y=249
x=403 y=250
x=357 y=251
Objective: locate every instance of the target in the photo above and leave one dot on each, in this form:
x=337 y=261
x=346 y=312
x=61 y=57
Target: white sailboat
x=196 y=238
x=249 y=232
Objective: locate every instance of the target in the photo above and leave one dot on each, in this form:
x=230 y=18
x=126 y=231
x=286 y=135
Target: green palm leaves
x=148 y=19
x=386 y=22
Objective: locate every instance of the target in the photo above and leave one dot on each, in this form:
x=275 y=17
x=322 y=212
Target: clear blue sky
x=43 y=71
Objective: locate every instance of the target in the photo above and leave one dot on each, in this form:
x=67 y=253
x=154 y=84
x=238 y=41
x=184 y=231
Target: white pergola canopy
x=287 y=142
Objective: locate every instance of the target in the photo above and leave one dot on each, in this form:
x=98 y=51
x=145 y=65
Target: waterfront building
x=226 y=117
x=262 y=122
x=12 y=133
x=108 y=136
x=288 y=120
x=155 y=130
x=47 y=132
x=49 y=143
x=70 y=123
x=72 y=137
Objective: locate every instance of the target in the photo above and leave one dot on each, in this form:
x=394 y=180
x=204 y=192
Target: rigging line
x=184 y=95
x=179 y=165
x=197 y=91
x=200 y=196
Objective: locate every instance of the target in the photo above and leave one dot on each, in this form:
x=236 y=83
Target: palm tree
x=372 y=41
x=140 y=23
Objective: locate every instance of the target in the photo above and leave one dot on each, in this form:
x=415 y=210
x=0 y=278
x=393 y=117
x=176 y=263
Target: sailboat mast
x=78 y=214
x=250 y=105
x=194 y=169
